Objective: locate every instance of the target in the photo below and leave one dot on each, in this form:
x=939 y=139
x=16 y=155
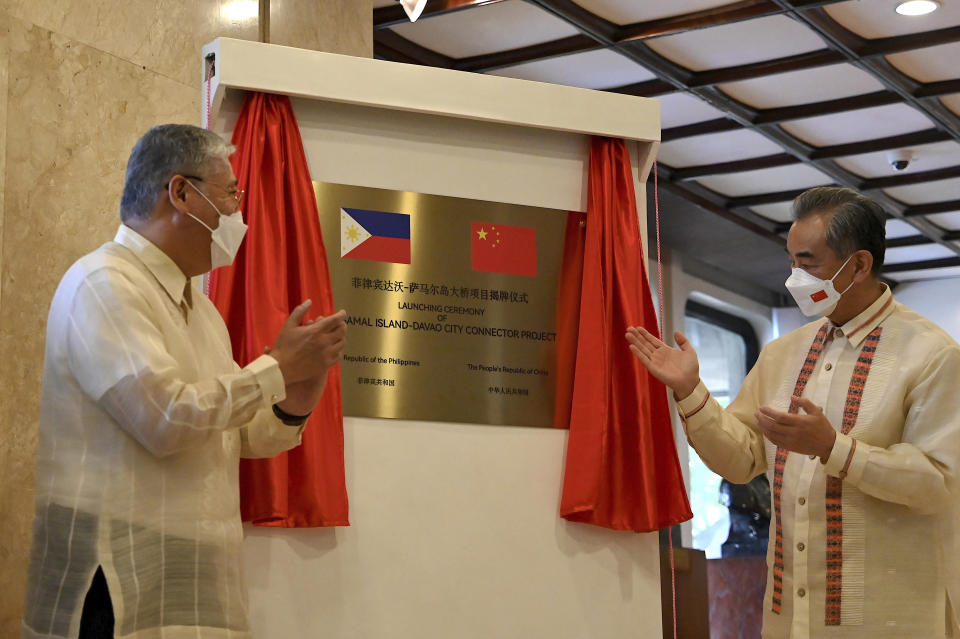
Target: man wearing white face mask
x=145 y=415
x=855 y=418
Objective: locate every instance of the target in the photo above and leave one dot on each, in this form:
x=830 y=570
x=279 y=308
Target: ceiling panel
x=778 y=211
x=926 y=158
x=801 y=87
x=938 y=191
x=716 y=147
x=599 y=69
x=486 y=29
x=631 y=11
x=501 y=26
x=899 y=228
x=918 y=253
x=929 y=65
x=677 y=109
x=854 y=126
x=952 y=102
x=877 y=18
x=947 y=221
x=722 y=46
x=782 y=178
x=925 y=274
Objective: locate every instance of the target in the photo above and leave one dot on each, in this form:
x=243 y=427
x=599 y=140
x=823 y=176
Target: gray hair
x=162 y=152
x=856 y=222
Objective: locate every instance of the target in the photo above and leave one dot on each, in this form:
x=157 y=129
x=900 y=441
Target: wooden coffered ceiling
x=761 y=99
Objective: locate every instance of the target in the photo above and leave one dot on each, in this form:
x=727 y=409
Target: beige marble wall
x=80 y=81
x=163 y=37
x=5 y=28
x=325 y=26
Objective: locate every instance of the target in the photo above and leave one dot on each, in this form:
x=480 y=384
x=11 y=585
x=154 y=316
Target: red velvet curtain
x=621 y=470
x=281 y=263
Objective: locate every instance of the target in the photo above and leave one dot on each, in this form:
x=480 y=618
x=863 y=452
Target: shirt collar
x=166 y=271
x=861 y=325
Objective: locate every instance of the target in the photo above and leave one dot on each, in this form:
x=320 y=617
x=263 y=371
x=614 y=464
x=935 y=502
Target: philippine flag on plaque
x=377 y=236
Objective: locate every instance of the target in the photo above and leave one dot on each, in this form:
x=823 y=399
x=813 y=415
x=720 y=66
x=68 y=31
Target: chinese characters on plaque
x=451 y=303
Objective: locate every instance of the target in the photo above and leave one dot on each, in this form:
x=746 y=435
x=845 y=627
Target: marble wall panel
x=74 y=114
x=80 y=81
x=164 y=35
x=337 y=26
x=5 y=27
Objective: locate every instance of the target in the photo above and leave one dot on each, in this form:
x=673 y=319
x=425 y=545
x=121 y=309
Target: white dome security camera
x=899 y=160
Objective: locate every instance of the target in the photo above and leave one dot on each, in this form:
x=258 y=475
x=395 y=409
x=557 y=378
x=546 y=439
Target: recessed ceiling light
x=917 y=7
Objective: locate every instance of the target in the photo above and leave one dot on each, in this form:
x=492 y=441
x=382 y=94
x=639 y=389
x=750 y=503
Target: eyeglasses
x=236 y=194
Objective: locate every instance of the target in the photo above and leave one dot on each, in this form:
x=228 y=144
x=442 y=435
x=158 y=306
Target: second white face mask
x=814 y=296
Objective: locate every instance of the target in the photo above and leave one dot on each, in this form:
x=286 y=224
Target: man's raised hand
x=308 y=350
x=677 y=368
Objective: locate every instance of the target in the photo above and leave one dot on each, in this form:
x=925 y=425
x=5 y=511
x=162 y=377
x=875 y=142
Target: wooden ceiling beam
x=647 y=89
x=931 y=208
x=391 y=46
x=908 y=42
x=923 y=265
x=747 y=201
x=826 y=107
x=904 y=179
x=699 y=128
x=735 y=166
x=725 y=14
x=812 y=109
x=763 y=68
x=937 y=89
x=500 y=59
x=909 y=240
x=906 y=140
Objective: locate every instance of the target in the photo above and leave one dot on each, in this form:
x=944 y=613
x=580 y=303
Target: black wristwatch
x=288 y=419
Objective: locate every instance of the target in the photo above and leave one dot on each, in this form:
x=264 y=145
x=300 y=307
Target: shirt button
x=838 y=332
x=274 y=399
x=800 y=546
x=812 y=457
x=802 y=501
x=801 y=592
x=828 y=366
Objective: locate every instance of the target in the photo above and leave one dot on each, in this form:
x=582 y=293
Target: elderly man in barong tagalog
x=145 y=414
x=856 y=419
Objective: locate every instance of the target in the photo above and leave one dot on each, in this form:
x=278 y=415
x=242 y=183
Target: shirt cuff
x=694 y=402
x=843 y=458
x=267 y=372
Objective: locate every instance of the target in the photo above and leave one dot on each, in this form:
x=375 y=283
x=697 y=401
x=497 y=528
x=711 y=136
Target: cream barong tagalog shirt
x=856 y=544
x=144 y=417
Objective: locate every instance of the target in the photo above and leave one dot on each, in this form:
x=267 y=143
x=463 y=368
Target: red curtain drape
x=281 y=263
x=621 y=470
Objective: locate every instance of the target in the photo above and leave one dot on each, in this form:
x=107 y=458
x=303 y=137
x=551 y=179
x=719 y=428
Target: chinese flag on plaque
x=498 y=248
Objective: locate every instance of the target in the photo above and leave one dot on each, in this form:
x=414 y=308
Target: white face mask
x=225 y=240
x=814 y=296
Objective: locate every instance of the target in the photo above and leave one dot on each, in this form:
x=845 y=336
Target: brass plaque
x=451 y=304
